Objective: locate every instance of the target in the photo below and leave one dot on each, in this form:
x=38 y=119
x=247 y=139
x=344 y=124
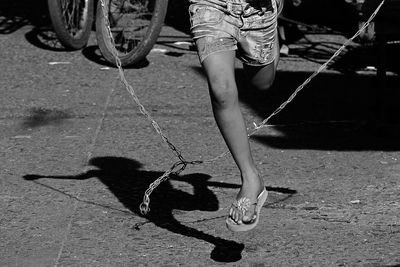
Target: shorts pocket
x=201 y=15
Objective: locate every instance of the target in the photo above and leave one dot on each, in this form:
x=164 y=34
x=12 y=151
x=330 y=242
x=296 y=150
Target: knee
x=223 y=92
x=261 y=79
x=264 y=86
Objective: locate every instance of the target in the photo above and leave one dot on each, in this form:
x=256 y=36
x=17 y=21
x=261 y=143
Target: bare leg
x=262 y=77
x=219 y=68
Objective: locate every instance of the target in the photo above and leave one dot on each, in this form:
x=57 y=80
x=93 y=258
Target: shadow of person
x=127 y=182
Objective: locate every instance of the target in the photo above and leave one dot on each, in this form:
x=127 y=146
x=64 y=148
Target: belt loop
x=234 y=8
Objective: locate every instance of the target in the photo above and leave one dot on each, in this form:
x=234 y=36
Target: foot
x=247 y=197
x=244 y=204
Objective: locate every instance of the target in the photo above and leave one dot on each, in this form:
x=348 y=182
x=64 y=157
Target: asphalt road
x=74 y=170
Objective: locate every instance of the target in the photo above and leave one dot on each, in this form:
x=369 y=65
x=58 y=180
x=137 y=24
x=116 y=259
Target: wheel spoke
x=72 y=21
x=134 y=24
x=74 y=13
x=132 y=19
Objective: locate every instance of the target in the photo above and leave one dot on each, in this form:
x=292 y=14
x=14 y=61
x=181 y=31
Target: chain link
x=180 y=165
x=130 y=89
x=393 y=42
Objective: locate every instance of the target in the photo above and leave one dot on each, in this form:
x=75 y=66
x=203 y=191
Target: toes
x=249 y=217
x=238 y=217
x=246 y=218
x=234 y=214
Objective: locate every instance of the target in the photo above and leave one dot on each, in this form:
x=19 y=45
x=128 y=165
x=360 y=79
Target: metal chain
x=393 y=42
x=182 y=163
x=264 y=123
x=130 y=89
x=321 y=68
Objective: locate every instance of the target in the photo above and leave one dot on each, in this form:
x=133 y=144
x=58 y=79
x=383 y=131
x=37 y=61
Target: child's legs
x=215 y=34
x=219 y=68
x=259 y=47
x=261 y=77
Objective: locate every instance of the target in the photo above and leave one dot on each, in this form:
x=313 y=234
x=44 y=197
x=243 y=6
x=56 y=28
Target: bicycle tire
x=72 y=23
x=146 y=21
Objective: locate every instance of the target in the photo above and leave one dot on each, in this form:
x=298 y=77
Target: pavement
x=74 y=169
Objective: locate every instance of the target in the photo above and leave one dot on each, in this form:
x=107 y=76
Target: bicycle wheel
x=72 y=21
x=135 y=26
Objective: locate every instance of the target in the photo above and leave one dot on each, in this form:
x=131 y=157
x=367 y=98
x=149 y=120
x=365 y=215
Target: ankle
x=251 y=177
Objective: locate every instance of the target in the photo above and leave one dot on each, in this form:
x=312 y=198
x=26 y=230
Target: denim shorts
x=248 y=27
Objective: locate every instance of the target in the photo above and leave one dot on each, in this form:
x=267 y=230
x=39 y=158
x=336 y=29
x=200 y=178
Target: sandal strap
x=243 y=204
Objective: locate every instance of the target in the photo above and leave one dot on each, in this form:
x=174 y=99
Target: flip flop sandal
x=243 y=204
